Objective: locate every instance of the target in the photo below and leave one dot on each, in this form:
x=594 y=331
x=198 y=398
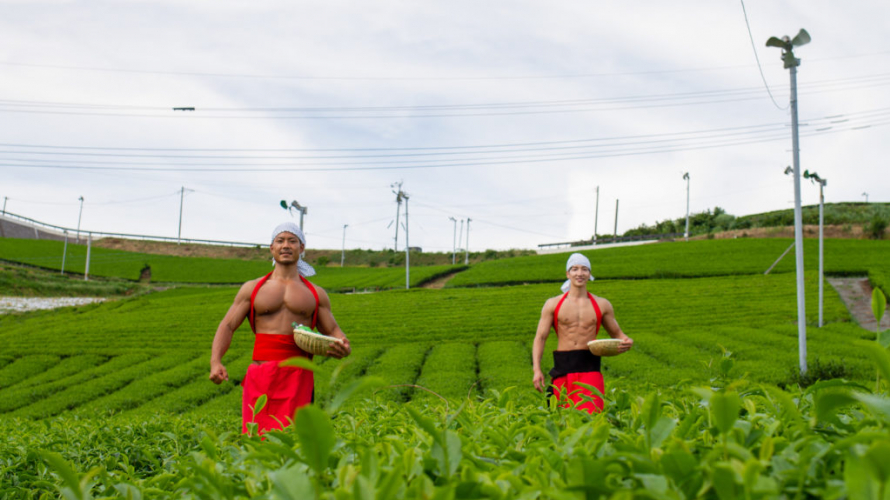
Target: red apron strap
x=599 y=314
x=251 y=318
x=314 y=294
x=556 y=313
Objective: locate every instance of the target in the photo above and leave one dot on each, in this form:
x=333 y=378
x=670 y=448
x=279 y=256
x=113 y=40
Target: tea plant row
x=736 y=440
x=173 y=269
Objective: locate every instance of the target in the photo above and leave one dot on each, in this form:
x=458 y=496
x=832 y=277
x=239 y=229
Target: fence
x=605 y=241
x=18 y=226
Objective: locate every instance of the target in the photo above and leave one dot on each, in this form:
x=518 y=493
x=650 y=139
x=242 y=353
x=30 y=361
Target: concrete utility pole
x=64 y=250
x=86 y=272
x=78 y=219
x=686 y=234
x=343 y=254
x=616 y=219
x=454 y=241
x=814 y=177
x=467 y=254
x=407 y=246
x=596 y=214
x=181 y=198
x=791 y=63
x=460 y=240
x=4 y=204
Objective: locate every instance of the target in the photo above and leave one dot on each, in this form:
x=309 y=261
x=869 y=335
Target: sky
x=529 y=119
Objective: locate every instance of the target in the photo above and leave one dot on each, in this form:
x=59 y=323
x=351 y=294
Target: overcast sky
x=507 y=113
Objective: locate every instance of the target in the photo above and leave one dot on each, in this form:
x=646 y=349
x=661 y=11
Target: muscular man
x=576 y=317
x=271 y=304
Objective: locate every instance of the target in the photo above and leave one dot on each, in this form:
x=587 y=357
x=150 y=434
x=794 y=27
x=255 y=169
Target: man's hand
x=340 y=349
x=218 y=373
x=625 y=345
x=538 y=380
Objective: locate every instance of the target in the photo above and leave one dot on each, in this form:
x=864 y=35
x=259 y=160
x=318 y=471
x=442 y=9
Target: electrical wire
x=757 y=58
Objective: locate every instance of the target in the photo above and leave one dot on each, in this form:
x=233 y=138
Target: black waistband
x=580 y=361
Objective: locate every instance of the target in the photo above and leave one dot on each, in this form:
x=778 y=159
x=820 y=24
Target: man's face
x=286 y=248
x=579 y=275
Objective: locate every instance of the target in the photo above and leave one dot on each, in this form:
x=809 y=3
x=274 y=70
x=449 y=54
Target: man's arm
x=223 y=339
x=612 y=328
x=327 y=325
x=544 y=325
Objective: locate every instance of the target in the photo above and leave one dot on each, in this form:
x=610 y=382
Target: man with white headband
x=271 y=304
x=576 y=317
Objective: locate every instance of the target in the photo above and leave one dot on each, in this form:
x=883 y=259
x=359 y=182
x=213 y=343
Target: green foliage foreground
x=732 y=440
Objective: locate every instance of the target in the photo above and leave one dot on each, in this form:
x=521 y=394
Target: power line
x=440 y=111
x=420 y=164
x=759 y=68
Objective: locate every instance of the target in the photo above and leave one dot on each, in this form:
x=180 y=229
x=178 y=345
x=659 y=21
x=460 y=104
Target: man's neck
x=578 y=291
x=285 y=271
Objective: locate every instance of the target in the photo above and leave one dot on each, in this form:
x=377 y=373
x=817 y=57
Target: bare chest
x=292 y=298
x=577 y=315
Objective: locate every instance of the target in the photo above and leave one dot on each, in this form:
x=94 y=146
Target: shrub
x=816 y=371
x=876 y=227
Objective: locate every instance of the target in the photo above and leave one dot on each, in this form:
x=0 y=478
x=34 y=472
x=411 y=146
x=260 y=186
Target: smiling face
x=286 y=248
x=578 y=275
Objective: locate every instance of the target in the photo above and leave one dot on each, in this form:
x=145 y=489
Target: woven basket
x=312 y=342
x=604 y=347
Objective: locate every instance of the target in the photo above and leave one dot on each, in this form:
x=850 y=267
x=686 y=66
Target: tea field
x=172 y=269
x=112 y=399
x=687 y=259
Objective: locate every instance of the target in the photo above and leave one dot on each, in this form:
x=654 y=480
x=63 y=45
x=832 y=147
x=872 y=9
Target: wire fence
x=18 y=226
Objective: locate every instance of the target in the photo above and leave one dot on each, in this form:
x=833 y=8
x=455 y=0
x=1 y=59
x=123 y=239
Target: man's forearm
x=221 y=342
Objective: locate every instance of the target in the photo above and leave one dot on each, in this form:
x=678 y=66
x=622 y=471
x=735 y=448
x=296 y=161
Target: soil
x=856 y=294
x=439 y=282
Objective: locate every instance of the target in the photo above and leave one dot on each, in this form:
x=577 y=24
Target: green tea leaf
x=879 y=356
x=70 y=479
x=447 y=457
x=828 y=402
x=355 y=387
x=260 y=404
x=723 y=481
x=878 y=459
x=291 y=483
x=316 y=435
x=725 y=410
x=300 y=362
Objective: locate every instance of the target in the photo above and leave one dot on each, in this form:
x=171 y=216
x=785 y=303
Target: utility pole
x=293 y=204
x=686 y=176
x=866 y=197
x=78 y=219
x=814 y=177
x=467 y=254
x=399 y=197
x=596 y=214
x=181 y=198
x=791 y=63
x=461 y=240
x=453 y=241
x=407 y=246
x=343 y=254
x=616 y=220
x=4 y=204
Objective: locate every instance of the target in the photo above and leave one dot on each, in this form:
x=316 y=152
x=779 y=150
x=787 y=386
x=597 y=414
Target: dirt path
x=439 y=282
x=856 y=294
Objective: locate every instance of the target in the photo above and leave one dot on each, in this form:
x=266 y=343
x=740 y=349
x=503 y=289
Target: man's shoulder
x=552 y=301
